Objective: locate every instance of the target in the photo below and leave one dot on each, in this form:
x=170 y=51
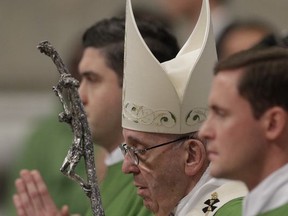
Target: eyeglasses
x=133 y=152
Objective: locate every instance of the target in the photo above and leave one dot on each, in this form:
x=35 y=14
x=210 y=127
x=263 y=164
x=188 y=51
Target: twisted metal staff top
x=82 y=144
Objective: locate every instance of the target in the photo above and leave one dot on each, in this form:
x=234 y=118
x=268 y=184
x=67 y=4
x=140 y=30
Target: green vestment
x=280 y=211
x=232 y=208
x=119 y=195
x=45 y=150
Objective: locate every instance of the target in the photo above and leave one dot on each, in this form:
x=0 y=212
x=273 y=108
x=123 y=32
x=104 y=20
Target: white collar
x=269 y=194
x=115 y=157
x=204 y=186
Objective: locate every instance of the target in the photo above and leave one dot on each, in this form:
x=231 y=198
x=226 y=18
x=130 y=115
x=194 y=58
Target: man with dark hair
x=247 y=127
x=241 y=35
x=101 y=72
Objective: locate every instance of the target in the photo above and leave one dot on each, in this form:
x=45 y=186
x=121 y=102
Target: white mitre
x=169 y=97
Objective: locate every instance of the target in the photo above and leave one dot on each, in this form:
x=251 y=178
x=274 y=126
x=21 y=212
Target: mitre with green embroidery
x=169 y=97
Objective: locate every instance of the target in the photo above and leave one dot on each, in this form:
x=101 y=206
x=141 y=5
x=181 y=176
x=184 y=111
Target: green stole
x=231 y=208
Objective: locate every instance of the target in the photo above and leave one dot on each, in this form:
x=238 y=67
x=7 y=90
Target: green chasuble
x=280 y=211
x=119 y=195
x=232 y=208
x=45 y=149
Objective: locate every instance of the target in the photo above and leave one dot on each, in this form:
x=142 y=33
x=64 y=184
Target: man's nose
x=129 y=166
x=82 y=93
x=204 y=131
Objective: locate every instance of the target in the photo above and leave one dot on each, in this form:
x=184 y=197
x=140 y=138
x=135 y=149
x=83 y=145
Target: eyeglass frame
x=125 y=148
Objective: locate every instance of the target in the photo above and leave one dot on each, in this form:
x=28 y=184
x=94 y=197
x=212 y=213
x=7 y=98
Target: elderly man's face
x=160 y=176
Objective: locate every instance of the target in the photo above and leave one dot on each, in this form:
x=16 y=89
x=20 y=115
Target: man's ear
x=195 y=157
x=274 y=122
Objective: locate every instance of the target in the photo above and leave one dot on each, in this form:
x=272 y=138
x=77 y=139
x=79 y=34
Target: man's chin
x=219 y=172
x=150 y=205
x=214 y=170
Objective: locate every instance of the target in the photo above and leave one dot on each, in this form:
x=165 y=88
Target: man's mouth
x=139 y=186
x=212 y=154
x=141 y=190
